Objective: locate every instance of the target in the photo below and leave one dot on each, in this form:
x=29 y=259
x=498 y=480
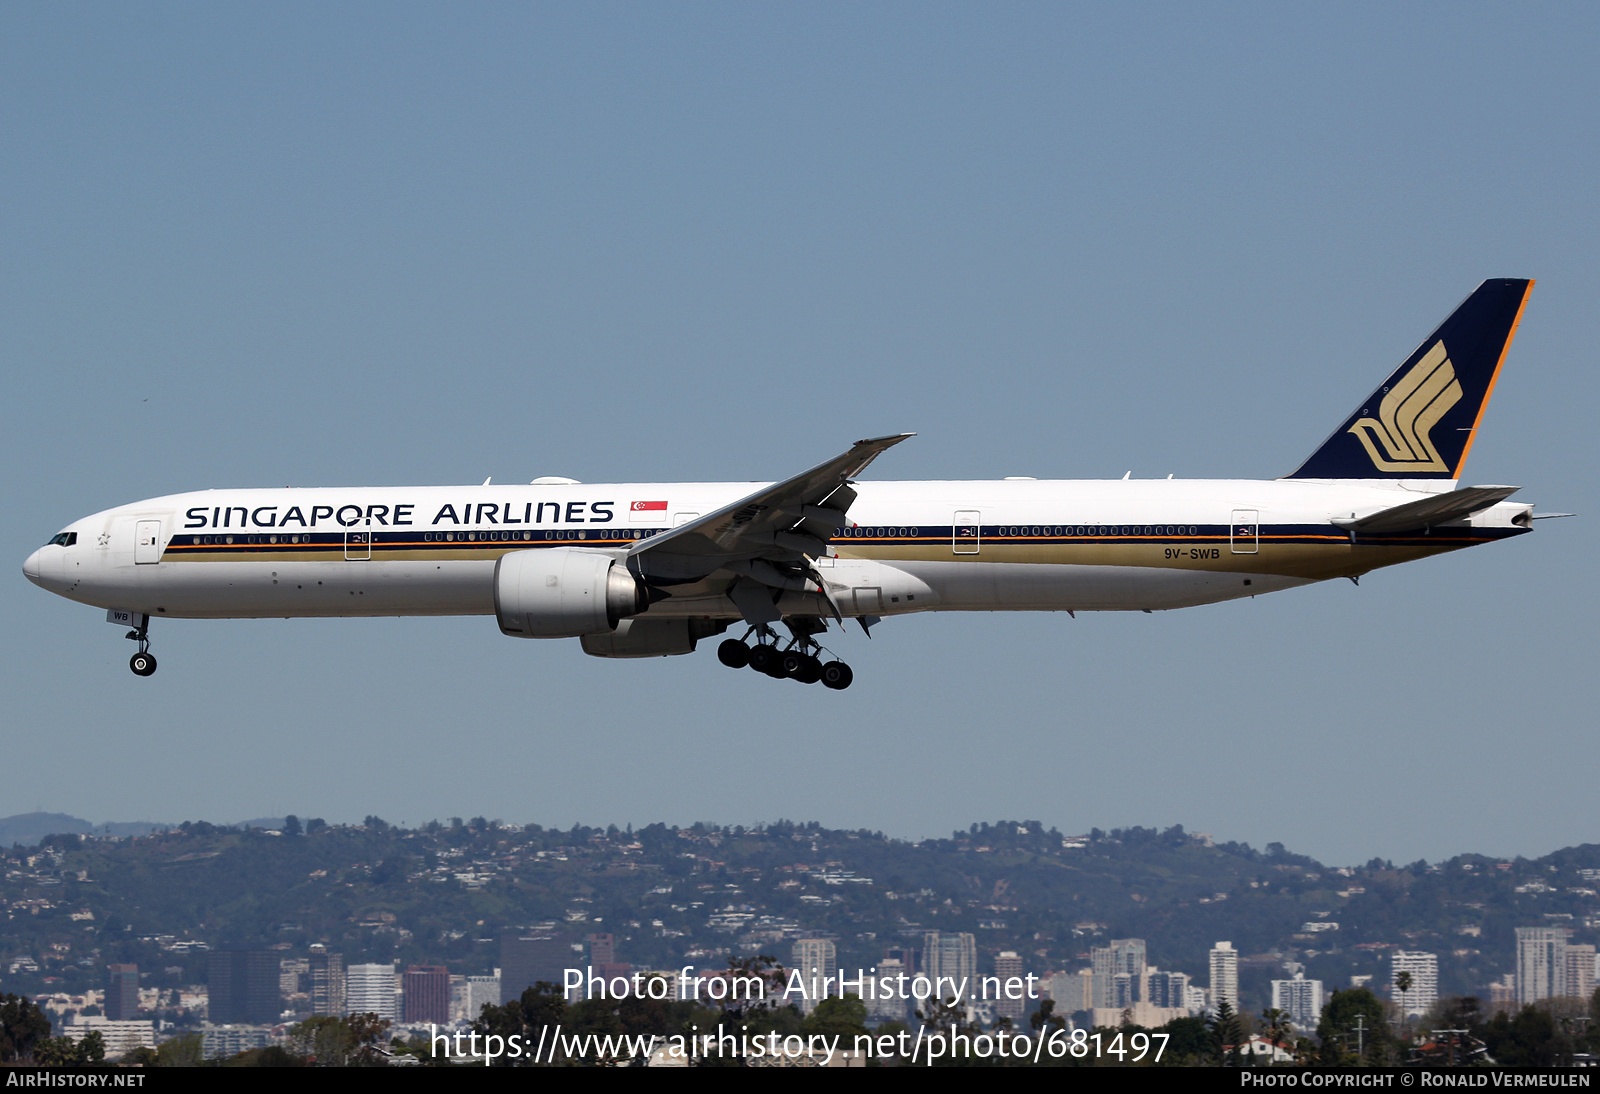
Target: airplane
x=652 y=569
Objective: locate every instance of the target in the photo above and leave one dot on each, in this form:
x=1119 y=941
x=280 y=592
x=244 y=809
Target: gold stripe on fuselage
x=1286 y=556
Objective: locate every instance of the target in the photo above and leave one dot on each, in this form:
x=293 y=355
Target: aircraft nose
x=31 y=568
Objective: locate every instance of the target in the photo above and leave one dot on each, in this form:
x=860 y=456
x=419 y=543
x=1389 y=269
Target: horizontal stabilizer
x=1431 y=510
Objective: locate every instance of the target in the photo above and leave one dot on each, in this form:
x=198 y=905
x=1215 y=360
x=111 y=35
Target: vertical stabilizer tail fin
x=1420 y=424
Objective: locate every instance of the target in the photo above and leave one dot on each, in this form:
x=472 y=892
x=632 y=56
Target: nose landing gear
x=142 y=663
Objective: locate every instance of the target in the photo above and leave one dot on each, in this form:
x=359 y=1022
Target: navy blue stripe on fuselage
x=317 y=543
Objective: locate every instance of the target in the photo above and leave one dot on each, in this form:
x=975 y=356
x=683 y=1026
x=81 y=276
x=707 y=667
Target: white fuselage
x=1091 y=545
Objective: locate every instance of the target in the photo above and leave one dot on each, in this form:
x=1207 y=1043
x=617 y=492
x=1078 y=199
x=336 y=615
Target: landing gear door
x=147 y=542
x=358 y=542
x=1244 y=537
x=965 y=532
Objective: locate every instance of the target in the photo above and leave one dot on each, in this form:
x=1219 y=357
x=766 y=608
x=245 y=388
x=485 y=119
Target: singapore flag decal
x=647 y=512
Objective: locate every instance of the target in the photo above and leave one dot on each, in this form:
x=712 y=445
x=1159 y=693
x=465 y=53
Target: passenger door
x=147 y=542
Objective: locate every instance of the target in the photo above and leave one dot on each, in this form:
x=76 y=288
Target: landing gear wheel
x=763 y=658
x=142 y=664
x=734 y=653
x=791 y=662
x=808 y=671
x=837 y=675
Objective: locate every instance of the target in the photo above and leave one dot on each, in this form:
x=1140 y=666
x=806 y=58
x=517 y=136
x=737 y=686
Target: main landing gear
x=795 y=662
x=142 y=663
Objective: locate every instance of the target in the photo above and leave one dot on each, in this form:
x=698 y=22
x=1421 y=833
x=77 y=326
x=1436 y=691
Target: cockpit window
x=63 y=539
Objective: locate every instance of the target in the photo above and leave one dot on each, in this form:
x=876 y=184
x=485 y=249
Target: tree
x=340 y=1042
x=1045 y=1020
x=22 y=1026
x=1353 y=1029
x=65 y=1052
x=1227 y=1034
x=1278 y=1028
x=543 y=1004
x=1528 y=1040
x=845 y=1018
x=291 y=825
x=1402 y=984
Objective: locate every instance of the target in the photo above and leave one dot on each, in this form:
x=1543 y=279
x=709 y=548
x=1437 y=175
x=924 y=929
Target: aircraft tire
x=837 y=675
x=733 y=653
x=762 y=658
x=142 y=664
x=809 y=672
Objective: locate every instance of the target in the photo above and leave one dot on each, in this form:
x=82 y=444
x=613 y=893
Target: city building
x=1224 y=976
x=1140 y=1014
x=1168 y=989
x=292 y=972
x=243 y=987
x=482 y=991
x=1541 y=964
x=370 y=989
x=325 y=981
x=1424 y=990
x=217 y=1042
x=816 y=959
x=531 y=956
x=1580 y=971
x=1119 y=973
x=426 y=992
x=119 y=1036
x=883 y=1008
x=1072 y=991
x=1008 y=967
x=953 y=957
x=1503 y=994
x=122 y=993
x=1301 y=1000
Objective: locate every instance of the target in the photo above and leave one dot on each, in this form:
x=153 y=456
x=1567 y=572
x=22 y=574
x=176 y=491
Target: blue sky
x=417 y=244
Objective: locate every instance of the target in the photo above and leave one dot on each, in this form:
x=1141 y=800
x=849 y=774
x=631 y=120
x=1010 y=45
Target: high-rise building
x=1072 y=991
x=325 y=981
x=122 y=994
x=243 y=986
x=1168 y=989
x=482 y=991
x=426 y=991
x=816 y=959
x=1424 y=989
x=1008 y=965
x=292 y=972
x=951 y=961
x=1503 y=994
x=906 y=955
x=1119 y=973
x=889 y=1008
x=1301 y=1000
x=530 y=956
x=1225 y=976
x=1541 y=964
x=369 y=989
x=602 y=949
x=1580 y=972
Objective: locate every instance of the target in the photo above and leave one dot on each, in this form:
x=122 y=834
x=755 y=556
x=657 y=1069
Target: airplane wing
x=787 y=524
x=1431 y=510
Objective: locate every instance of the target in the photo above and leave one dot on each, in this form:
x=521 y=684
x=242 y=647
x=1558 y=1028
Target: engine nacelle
x=652 y=637
x=564 y=592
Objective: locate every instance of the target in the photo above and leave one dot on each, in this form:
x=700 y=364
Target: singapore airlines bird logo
x=1408 y=414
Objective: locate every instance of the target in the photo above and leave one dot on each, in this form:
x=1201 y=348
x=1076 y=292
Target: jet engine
x=564 y=592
